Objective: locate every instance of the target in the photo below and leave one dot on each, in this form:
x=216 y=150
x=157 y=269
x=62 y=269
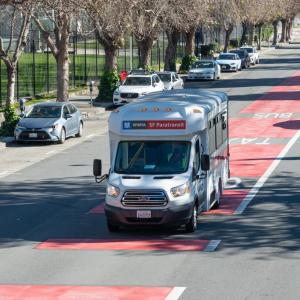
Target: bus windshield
x=152 y=157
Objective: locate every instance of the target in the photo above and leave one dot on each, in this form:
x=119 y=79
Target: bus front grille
x=144 y=198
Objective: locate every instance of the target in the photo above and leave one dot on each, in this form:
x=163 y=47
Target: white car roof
x=191 y=107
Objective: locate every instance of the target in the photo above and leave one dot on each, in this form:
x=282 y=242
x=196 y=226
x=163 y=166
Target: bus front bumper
x=164 y=216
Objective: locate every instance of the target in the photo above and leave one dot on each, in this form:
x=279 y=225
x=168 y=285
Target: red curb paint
x=252 y=160
x=255 y=128
x=145 y=245
x=48 y=292
x=99 y=209
x=230 y=201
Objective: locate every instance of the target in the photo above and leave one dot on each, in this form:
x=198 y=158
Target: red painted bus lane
x=60 y=292
x=130 y=245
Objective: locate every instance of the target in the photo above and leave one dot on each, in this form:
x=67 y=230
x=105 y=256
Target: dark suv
x=244 y=56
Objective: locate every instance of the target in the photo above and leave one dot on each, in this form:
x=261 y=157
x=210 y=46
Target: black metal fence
x=36 y=70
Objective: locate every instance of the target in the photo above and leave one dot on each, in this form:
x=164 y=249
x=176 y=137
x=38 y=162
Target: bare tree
x=226 y=14
x=111 y=19
x=17 y=17
x=146 y=25
x=61 y=14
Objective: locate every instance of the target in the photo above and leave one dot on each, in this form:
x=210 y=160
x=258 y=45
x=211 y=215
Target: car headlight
x=112 y=191
x=180 y=190
x=20 y=127
x=116 y=93
x=144 y=93
x=233 y=64
x=54 y=127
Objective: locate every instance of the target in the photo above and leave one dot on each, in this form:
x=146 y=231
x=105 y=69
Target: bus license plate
x=143 y=214
x=33 y=135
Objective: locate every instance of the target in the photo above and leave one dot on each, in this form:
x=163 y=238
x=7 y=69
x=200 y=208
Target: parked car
x=254 y=55
x=50 y=121
x=204 y=69
x=171 y=80
x=244 y=56
x=229 y=62
x=137 y=84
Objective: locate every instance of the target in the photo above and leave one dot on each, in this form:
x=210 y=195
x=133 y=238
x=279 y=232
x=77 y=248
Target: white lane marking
x=51 y=152
x=3 y=173
x=175 y=293
x=259 y=184
x=212 y=245
x=90 y=136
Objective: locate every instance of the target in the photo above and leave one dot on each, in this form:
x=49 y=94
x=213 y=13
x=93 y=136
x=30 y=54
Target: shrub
x=108 y=83
x=234 y=43
x=209 y=50
x=11 y=119
x=187 y=61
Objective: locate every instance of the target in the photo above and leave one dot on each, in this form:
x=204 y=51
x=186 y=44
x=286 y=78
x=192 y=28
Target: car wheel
x=112 y=227
x=191 y=226
x=62 y=138
x=80 y=130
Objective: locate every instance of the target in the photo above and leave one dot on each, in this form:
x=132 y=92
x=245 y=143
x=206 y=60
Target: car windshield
x=165 y=77
x=241 y=54
x=202 y=64
x=137 y=81
x=249 y=50
x=152 y=157
x=227 y=56
x=44 y=112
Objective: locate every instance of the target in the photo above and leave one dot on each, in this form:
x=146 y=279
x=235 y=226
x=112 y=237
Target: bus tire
x=191 y=226
x=218 y=195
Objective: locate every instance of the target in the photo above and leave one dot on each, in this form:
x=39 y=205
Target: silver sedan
x=171 y=80
x=50 y=121
x=204 y=69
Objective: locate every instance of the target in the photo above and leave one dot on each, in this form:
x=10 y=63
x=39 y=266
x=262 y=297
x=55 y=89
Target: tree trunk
x=275 y=36
x=62 y=66
x=170 y=56
x=251 y=34
x=244 y=34
x=111 y=61
x=11 y=81
x=190 y=42
x=227 y=38
x=283 y=31
x=145 y=46
x=259 y=37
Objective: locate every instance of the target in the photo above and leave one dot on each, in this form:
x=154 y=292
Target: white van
x=169 y=159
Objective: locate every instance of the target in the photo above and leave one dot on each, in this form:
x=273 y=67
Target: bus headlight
x=112 y=191
x=180 y=190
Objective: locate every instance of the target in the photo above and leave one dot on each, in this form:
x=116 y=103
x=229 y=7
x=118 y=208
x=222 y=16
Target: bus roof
x=176 y=112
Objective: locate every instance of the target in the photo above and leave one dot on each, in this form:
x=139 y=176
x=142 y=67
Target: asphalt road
x=50 y=198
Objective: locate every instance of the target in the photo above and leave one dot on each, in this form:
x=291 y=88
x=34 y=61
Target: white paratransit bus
x=169 y=156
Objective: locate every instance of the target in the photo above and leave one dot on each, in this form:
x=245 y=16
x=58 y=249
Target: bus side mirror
x=205 y=162
x=97 y=167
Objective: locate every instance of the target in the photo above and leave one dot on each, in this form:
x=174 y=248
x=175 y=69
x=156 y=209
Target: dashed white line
x=51 y=152
x=212 y=245
x=90 y=136
x=3 y=173
x=259 y=184
x=175 y=293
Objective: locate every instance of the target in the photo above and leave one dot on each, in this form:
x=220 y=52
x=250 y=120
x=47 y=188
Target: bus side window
x=224 y=126
x=219 y=131
x=212 y=136
x=197 y=156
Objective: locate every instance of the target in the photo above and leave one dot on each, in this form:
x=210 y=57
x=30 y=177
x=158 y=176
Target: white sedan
x=171 y=80
x=204 y=69
x=229 y=62
x=136 y=85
